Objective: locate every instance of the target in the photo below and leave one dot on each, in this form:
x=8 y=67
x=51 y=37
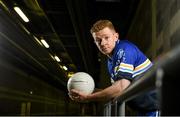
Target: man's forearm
x=109 y=92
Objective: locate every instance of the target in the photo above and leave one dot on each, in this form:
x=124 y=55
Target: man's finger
x=74 y=91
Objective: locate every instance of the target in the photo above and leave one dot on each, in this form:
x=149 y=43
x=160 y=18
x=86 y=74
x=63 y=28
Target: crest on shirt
x=120 y=56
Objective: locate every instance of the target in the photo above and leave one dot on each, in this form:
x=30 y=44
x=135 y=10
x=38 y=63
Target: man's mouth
x=104 y=49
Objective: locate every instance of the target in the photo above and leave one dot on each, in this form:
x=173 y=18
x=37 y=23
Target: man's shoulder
x=126 y=44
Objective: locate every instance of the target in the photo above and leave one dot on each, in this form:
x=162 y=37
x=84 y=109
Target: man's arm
x=103 y=95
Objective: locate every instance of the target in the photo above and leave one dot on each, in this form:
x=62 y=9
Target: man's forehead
x=99 y=34
x=102 y=33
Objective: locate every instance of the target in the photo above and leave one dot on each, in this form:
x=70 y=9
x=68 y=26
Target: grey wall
x=168 y=25
x=140 y=31
x=155 y=27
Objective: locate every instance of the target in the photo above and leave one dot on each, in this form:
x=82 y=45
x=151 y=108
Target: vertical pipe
x=82 y=106
x=154 y=40
x=115 y=109
x=107 y=109
x=23 y=109
x=159 y=81
x=28 y=108
x=94 y=109
x=121 y=109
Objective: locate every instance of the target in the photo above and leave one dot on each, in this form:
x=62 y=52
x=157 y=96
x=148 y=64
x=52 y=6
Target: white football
x=81 y=81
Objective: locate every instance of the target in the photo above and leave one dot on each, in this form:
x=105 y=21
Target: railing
x=158 y=77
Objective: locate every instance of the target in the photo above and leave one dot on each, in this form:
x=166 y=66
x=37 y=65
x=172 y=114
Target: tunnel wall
x=26 y=86
x=156 y=26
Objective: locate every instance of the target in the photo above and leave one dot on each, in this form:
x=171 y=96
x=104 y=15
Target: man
x=125 y=62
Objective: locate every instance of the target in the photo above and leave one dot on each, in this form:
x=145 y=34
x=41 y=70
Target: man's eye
x=106 y=38
x=98 y=41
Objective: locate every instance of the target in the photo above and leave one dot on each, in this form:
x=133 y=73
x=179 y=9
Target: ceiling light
x=21 y=14
x=57 y=58
x=65 y=68
x=44 y=43
x=37 y=40
x=52 y=56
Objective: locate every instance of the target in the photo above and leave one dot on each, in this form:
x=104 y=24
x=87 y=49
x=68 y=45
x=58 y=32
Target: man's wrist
x=88 y=97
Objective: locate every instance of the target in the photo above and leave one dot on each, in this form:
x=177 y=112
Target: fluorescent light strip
x=37 y=40
x=57 y=58
x=21 y=14
x=52 y=56
x=44 y=43
x=65 y=68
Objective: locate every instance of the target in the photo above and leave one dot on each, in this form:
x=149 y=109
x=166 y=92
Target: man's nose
x=103 y=42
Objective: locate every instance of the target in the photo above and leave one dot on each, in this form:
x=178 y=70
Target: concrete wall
x=140 y=31
x=156 y=26
x=168 y=24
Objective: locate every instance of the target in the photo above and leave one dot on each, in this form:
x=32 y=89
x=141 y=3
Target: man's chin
x=106 y=53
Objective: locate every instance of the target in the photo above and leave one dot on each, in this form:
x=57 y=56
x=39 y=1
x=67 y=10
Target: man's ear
x=116 y=35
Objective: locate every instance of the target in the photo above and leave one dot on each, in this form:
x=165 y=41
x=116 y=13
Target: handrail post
x=107 y=109
x=116 y=108
x=121 y=109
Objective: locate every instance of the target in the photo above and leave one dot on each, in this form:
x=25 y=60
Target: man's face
x=105 y=40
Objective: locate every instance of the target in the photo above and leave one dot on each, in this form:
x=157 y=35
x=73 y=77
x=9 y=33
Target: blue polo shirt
x=128 y=62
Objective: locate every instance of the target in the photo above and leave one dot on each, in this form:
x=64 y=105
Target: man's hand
x=78 y=96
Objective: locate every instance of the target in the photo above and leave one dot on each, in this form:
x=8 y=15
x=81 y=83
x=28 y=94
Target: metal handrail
x=152 y=79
